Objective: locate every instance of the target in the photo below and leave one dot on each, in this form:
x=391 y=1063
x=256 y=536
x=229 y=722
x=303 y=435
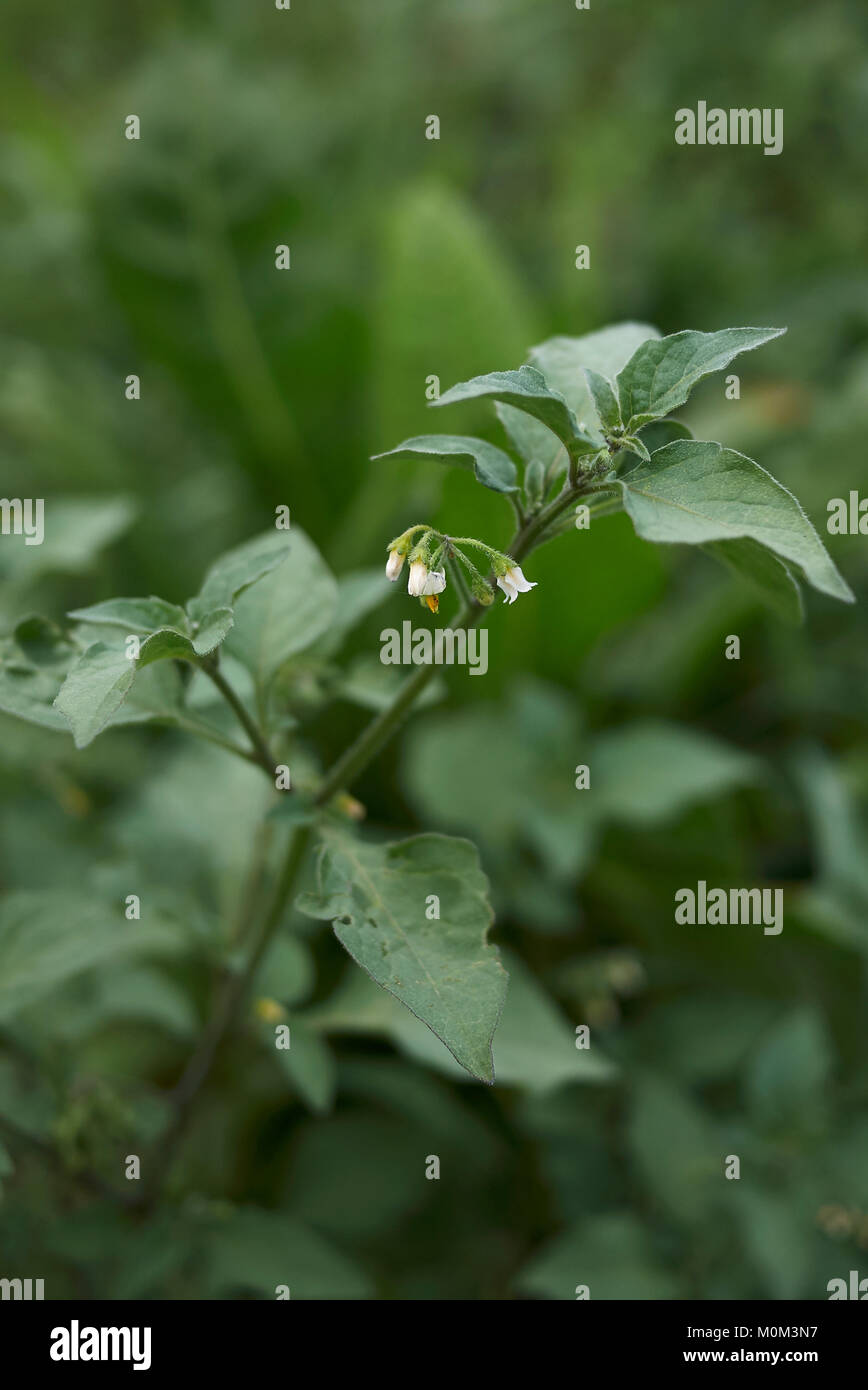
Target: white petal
x=417 y=579
x=516 y=577
x=436 y=582
x=394 y=565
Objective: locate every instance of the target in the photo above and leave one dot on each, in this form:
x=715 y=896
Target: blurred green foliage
x=412 y=258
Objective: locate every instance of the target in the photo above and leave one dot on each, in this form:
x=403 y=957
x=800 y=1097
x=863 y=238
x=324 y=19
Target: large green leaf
x=492 y=467
x=285 y=613
x=693 y=492
x=526 y=390
x=662 y=372
x=235 y=571
x=443 y=970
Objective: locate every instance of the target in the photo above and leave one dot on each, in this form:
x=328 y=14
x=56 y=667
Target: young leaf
x=526 y=389
x=693 y=492
x=561 y=361
x=633 y=445
x=94 y=689
x=443 y=970
x=235 y=571
x=605 y=400
x=492 y=467
x=662 y=372
x=134 y=615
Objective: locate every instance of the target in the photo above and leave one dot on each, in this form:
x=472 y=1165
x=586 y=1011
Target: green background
x=409 y=258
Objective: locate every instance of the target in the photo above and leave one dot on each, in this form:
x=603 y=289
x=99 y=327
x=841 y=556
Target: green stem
x=231 y=999
x=261 y=751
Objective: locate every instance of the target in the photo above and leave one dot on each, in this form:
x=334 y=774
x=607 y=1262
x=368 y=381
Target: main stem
x=342 y=773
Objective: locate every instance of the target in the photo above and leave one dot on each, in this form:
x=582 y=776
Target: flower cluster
x=428 y=556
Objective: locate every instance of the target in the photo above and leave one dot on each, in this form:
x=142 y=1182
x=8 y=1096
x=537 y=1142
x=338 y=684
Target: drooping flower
x=395 y=564
x=424 y=581
x=513 y=583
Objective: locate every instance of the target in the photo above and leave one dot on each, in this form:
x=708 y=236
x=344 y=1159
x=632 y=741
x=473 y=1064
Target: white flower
x=424 y=581
x=394 y=564
x=514 y=583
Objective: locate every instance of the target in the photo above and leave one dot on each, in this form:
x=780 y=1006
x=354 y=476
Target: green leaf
x=561 y=361
x=367 y=682
x=235 y=571
x=492 y=467
x=359 y=593
x=443 y=970
x=133 y=615
x=308 y=1064
x=676 y=1149
x=651 y=771
x=169 y=644
x=611 y=1255
x=659 y=432
x=633 y=445
x=260 y=1250
x=47 y=938
x=76 y=530
x=767 y=575
x=605 y=400
x=42 y=643
x=526 y=390
x=693 y=492
x=29 y=694
x=94 y=690
x=788 y=1081
x=662 y=372
x=286 y=612
x=535 y=1046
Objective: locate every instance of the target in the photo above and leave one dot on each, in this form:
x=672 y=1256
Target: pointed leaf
x=525 y=389
x=605 y=400
x=693 y=492
x=492 y=467
x=444 y=970
x=662 y=372
x=235 y=571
